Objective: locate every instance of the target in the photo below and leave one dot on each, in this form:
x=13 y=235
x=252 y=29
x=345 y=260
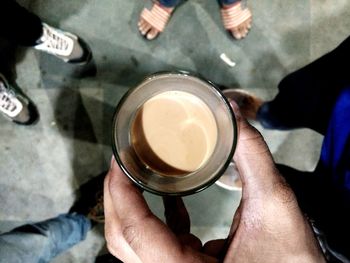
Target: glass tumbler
x=149 y=179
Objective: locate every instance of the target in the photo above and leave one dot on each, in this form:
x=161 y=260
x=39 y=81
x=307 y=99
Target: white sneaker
x=14 y=106
x=64 y=45
x=9 y=104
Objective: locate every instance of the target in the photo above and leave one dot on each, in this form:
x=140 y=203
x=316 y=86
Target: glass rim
x=200 y=187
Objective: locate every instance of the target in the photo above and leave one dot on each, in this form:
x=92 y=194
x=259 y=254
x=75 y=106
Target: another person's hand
x=268 y=226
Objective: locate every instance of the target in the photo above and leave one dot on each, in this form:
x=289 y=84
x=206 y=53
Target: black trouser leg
x=18 y=25
x=306 y=96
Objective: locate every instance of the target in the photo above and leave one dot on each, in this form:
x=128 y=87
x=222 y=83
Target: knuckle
x=131 y=234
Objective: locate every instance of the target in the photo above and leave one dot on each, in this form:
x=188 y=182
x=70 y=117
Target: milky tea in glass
x=174 y=133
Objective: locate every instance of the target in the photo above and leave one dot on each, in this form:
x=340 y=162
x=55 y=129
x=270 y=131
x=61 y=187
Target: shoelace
x=54 y=41
x=6 y=99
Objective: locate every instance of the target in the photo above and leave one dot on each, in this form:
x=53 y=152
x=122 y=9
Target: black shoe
x=269 y=121
x=248 y=103
x=90 y=202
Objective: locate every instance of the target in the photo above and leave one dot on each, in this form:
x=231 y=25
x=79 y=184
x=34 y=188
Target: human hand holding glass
x=268 y=225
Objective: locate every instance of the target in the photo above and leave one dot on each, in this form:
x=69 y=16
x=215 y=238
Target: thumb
x=253 y=158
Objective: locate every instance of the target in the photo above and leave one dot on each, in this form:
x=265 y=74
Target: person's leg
x=334 y=165
x=306 y=97
x=335 y=153
x=24 y=28
x=19 y=25
x=42 y=241
x=236 y=17
x=153 y=21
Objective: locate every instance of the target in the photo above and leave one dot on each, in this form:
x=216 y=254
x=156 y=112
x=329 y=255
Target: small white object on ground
x=227 y=60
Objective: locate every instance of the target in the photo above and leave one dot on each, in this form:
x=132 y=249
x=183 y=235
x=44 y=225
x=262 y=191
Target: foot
x=15 y=106
x=153 y=21
x=236 y=19
x=90 y=202
x=248 y=103
x=64 y=45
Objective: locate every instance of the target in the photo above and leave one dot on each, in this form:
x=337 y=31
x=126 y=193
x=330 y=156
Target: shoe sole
x=34 y=115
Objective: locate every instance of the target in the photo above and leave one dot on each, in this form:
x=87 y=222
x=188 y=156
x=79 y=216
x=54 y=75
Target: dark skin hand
x=267 y=227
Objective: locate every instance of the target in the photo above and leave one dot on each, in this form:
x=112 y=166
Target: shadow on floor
x=53 y=12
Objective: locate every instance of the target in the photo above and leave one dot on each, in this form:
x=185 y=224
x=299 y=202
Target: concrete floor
x=42 y=166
